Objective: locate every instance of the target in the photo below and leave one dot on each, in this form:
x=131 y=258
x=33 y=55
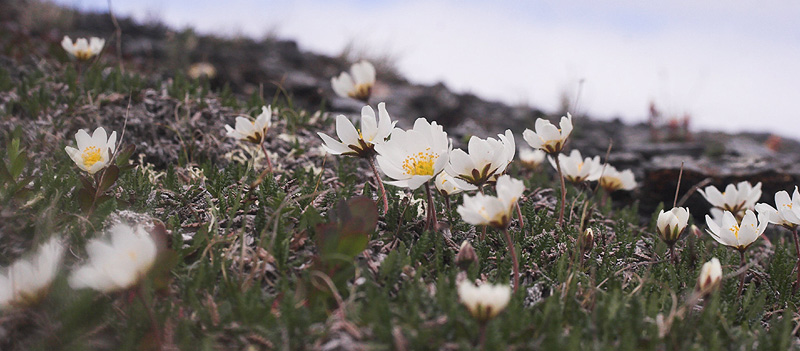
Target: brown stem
x=266 y=155
x=797 y=251
x=482 y=336
x=519 y=214
x=432 y=220
x=513 y=258
x=152 y=316
x=449 y=211
x=563 y=192
x=672 y=255
x=380 y=184
x=744 y=272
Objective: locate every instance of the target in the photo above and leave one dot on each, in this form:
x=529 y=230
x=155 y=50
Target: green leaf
x=18 y=164
x=88 y=183
x=5 y=175
x=85 y=199
x=110 y=175
x=125 y=154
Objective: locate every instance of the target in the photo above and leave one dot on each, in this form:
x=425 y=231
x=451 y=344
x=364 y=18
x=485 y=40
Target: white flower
x=487 y=158
x=26 y=282
x=116 y=264
x=358 y=85
x=576 y=169
x=252 y=131
x=731 y=233
x=547 y=137
x=613 y=180
x=446 y=184
x=484 y=302
x=493 y=210
x=362 y=142
x=671 y=224
x=83 y=49
x=710 y=276
x=414 y=156
x=735 y=199
x=787 y=212
x=93 y=152
x=530 y=158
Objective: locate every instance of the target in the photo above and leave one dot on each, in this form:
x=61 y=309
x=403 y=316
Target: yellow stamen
x=91 y=155
x=420 y=163
x=735 y=230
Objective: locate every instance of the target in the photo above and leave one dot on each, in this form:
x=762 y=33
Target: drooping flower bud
x=466 y=255
x=586 y=240
x=484 y=302
x=710 y=277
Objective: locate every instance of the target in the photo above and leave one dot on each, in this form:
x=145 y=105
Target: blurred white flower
x=613 y=180
x=710 y=276
x=83 y=49
x=362 y=142
x=116 y=264
x=736 y=198
x=547 y=137
x=412 y=157
x=576 y=169
x=530 y=158
x=484 y=302
x=27 y=281
x=670 y=224
x=493 y=210
x=733 y=234
x=446 y=185
x=93 y=152
x=249 y=130
x=357 y=84
x=487 y=158
x=787 y=212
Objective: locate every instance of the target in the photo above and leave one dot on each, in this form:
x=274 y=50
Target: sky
x=732 y=65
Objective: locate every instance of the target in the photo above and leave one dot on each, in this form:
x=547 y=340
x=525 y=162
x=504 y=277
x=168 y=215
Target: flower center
x=735 y=230
x=420 y=163
x=91 y=155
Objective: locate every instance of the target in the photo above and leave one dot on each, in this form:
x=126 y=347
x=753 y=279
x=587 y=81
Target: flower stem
x=432 y=220
x=152 y=316
x=449 y=211
x=741 y=279
x=519 y=214
x=563 y=192
x=797 y=251
x=482 y=336
x=672 y=255
x=380 y=184
x=513 y=258
x=266 y=155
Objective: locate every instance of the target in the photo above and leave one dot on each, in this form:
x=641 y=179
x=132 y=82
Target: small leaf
x=125 y=154
x=5 y=174
x=85 y=199
x=103 y=198
x=18 y=164
x=88 y=183
x=110 y=175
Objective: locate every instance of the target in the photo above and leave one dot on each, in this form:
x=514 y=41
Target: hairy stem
x=432 y=220
x=741 y=279
x=514 y=261
x=266 y=155
x=563 y=192
x=797 y=251
x=380 y=184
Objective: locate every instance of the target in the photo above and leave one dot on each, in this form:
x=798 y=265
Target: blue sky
x=734 y=65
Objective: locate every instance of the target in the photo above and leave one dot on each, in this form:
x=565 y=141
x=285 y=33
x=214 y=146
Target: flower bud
x=586 y=240
x=484 y=302
x=670 y=224
x=466 y=255
x=710 y=277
